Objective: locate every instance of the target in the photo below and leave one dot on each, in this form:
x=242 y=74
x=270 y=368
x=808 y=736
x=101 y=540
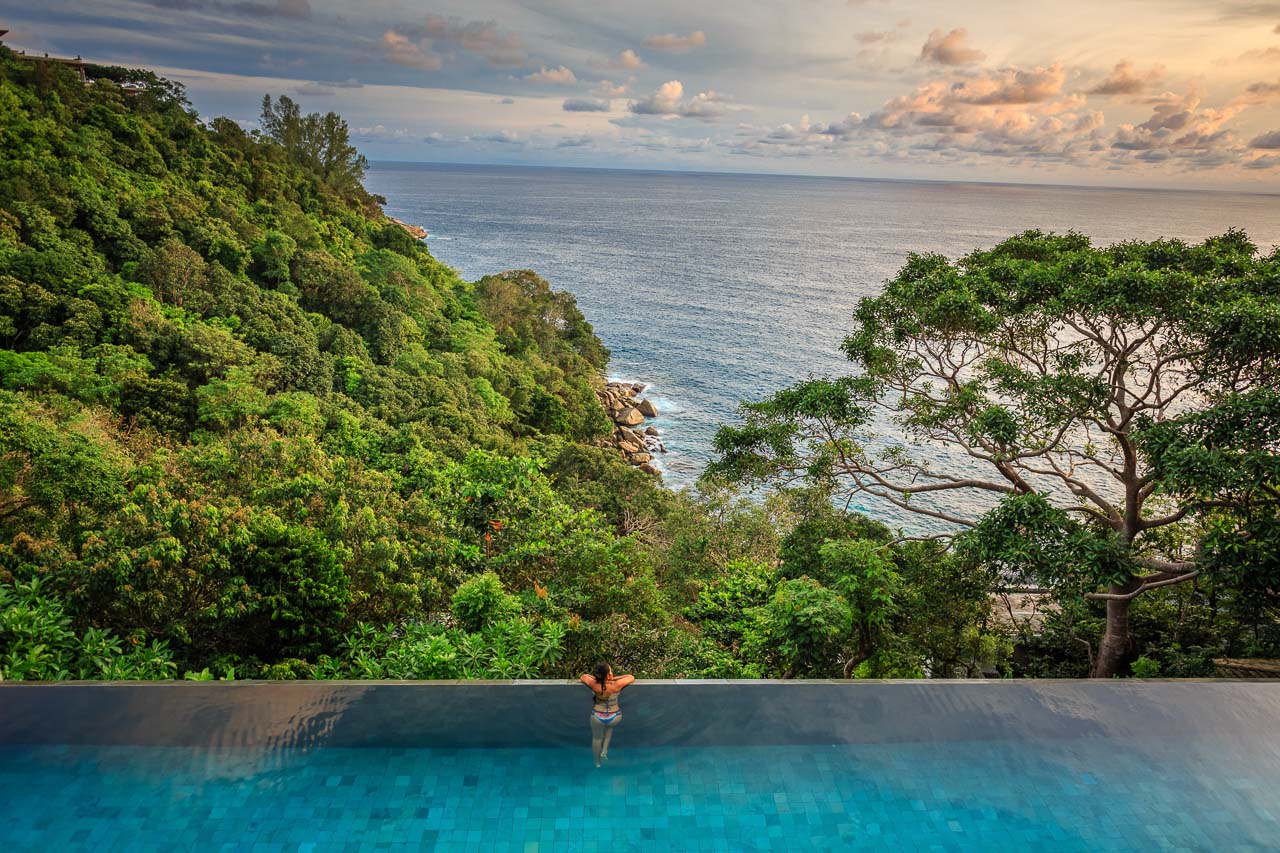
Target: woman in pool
x=604 y=713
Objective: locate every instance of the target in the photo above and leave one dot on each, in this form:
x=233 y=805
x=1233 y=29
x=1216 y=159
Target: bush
x=1145 y=667
x=481 y=601
x=801 y=627
x=514 y=648
x=37 y=643
x=725 y=608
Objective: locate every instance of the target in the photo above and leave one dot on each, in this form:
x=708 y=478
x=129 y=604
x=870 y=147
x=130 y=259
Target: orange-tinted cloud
x=1124 y=80
x=950 y=48
x=674 y=42
x=403 y=50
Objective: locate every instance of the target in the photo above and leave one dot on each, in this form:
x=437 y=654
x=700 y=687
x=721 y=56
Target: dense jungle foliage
x=250 y=428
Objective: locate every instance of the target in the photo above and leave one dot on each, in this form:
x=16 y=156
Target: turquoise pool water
x=1092 y=793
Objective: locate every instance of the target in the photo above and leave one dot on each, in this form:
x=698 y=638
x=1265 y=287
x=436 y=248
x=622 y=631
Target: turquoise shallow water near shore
x=718 y=288
x=1093 y=794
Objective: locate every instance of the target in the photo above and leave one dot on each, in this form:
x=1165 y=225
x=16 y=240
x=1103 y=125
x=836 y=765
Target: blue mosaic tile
x=1070 y=794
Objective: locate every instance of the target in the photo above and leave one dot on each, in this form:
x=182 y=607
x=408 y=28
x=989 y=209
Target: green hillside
x=249 y=427
x=242 y=411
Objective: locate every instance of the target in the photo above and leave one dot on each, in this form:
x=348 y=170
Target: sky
x=1167 y=93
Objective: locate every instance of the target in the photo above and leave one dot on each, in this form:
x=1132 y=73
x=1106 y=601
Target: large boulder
x=629 y=416
x=649 y=469
x=647 y=408
x=416 y=231
x=639 y=458
x=628 y=447
x=619 y=389
x=651 y=431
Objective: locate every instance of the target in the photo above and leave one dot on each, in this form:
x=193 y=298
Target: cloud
x=628 y=60
x=877 y=36
x=607 y=89
x=842 y=129
x=1006 y=98
x=296 y=9
x=1123 y=80
x=664 y=101
x=950 y=48
x=1011 y=86
x=585 y=105
x=575 y=142
x=1179 y=129
x=1269 y=54
x=269 y=61
x=1259 y=93
x=502 y=137
x=561 y=76
x=315 y=89
x=402 y=50
x=1266 y=141
x=1021 y=115
x=278 y=9
x=481 y=38
x=674 y=42
x=323 y=89
x=382 y=133
x=788 y=132
x=668 y=100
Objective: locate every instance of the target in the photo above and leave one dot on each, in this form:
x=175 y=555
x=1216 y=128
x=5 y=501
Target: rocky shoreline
x=637 y=443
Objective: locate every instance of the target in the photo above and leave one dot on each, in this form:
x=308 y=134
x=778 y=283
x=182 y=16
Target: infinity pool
x=1160 y=766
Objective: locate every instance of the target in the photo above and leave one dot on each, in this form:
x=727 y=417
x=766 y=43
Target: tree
x=869 y=583
x=802 y=626
x=173 y=270
x=1020 y=380
x=321 y=144
x=1223 y=464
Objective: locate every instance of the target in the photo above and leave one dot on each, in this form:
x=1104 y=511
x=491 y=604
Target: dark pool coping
x=516 y=682
x=672 y=712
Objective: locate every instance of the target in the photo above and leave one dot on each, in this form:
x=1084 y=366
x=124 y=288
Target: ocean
x=720 y=288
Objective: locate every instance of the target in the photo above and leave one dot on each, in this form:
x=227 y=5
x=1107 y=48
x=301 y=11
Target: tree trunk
x=852 y=663
x=1114 y=647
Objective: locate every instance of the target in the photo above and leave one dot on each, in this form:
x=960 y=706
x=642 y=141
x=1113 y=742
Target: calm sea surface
x=723 y=288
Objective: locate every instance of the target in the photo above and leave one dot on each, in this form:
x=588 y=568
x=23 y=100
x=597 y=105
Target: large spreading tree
x=1095 y=419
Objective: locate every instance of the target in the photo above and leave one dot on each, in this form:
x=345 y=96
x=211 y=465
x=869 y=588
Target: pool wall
x=656 y=713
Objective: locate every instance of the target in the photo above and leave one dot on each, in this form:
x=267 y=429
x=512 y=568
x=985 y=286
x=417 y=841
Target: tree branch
x=1129 y=596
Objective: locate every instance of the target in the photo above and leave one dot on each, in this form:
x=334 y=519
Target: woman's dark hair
x=601 y=675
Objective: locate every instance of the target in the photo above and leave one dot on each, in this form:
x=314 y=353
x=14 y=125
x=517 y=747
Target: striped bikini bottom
x=606 y=718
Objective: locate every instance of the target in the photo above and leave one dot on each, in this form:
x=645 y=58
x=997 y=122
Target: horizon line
x=729 y=173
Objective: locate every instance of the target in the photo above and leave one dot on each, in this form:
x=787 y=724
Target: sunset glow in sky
x=1176 y=93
